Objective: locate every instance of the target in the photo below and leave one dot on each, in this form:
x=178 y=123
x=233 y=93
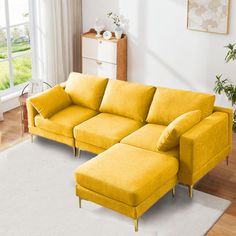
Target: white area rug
x=37 y=198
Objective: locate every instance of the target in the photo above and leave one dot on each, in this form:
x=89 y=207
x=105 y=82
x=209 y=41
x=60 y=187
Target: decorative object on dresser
x=99 y=27
x=105 y=58
x=117 y=22
x=107 y=35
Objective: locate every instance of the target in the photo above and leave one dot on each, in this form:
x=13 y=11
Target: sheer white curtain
x=56 y=34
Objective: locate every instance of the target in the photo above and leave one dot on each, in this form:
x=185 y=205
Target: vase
x=99 y=27
x=118 y=32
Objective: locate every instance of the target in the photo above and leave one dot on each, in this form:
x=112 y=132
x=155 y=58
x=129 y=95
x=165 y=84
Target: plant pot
x=118 y=32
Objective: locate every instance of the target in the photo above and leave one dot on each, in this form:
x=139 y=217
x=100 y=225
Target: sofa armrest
x=32 y=112
x=229 y=112
x=205 y=141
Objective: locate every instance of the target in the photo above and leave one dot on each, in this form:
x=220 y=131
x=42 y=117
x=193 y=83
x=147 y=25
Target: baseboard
x=8 y=103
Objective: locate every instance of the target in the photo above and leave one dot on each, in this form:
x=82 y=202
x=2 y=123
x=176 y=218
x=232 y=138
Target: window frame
x=16 y=88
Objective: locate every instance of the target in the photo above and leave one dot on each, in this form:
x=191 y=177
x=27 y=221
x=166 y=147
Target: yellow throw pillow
x=170 y=136
x=51 y=101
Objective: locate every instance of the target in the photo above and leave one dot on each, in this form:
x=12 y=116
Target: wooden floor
x=219 y=182
x=11 y=129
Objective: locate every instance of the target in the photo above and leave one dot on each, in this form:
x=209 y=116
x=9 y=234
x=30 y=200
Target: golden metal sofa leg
x=173 y=192
x=227 y=160
x=32 y=138
x=79 y=152
x=190 y=191
x=80 y=202
x=74 y=151
x=136 y=225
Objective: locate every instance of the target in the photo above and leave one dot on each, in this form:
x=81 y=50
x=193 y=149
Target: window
x=15 y=45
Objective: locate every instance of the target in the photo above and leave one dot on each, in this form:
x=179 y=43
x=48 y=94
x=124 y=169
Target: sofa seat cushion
x=147 y=137
x=168 y=104
x=105 y=130
x=127 y=99
x=64 y=121
x=127 y=174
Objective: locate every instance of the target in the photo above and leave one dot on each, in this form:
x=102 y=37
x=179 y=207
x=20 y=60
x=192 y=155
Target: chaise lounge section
x=147 y=138
x=137 y=180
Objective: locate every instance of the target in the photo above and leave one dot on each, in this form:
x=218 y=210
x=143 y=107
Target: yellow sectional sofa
x=147 y=138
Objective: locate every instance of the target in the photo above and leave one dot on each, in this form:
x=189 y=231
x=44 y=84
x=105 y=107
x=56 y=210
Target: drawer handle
x=98 y=62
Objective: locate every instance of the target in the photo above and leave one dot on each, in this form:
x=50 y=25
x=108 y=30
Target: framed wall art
x=209 y=15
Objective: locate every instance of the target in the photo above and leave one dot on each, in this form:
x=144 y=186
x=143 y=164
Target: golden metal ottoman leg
x=136 y=225
x=80 y=202
x=190 y=191
x=173 y=192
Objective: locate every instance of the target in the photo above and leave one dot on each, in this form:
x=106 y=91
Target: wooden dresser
x=105 y=58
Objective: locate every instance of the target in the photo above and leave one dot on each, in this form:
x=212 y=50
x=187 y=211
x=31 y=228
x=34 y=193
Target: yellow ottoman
x=126 y=179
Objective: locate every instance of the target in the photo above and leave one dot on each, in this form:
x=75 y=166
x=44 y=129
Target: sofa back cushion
x=168 y=104
x=127 y=99
x=86 y=90
x=51 y=101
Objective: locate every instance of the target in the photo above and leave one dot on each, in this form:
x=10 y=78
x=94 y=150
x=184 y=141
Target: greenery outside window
x=15 y=45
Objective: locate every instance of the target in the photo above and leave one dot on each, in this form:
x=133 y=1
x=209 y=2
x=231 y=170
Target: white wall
x=161 y=51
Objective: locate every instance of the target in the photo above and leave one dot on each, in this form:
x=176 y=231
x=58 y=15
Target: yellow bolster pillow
x=170 y=136
x=51 y=101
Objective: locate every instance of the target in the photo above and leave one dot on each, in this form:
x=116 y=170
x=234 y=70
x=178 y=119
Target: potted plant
x=225 y=86
x=117 y=22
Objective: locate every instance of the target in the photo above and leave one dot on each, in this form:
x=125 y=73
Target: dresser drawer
x=99 y=68
x=101 y=50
